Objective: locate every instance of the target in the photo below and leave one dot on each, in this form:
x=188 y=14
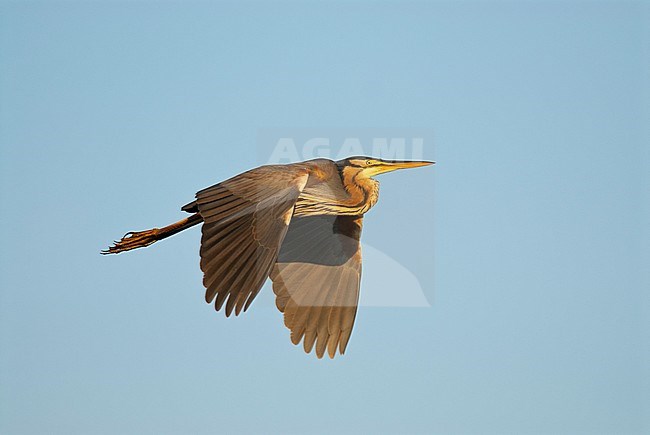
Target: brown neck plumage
x=363 y=191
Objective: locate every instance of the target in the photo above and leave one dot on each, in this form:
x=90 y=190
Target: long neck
x=353 y=195
x=363 y=191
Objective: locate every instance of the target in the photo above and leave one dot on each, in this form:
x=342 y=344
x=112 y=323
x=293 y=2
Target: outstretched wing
x=245 y=220
x=316 y=280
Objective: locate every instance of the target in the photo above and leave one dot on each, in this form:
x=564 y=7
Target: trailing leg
x=140 y=239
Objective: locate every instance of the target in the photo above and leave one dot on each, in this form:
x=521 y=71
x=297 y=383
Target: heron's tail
x=140 y=239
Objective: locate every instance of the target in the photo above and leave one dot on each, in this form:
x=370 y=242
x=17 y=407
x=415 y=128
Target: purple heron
x=298 y=224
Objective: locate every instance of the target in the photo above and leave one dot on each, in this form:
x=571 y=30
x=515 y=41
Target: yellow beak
x=388 y=166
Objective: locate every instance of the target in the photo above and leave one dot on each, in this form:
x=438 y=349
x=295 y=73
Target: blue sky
x=528 y=238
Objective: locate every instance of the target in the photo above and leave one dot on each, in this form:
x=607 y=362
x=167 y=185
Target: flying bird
x=298 y=224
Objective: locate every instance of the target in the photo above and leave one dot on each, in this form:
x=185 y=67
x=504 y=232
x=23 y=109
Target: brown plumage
x=298 y=224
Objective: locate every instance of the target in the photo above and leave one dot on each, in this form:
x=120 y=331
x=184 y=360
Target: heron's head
x=367 y=167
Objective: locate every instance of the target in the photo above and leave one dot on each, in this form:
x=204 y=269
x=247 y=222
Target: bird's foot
x=133 y=240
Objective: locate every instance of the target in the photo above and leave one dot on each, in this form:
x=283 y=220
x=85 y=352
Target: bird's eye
x=368 y=162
